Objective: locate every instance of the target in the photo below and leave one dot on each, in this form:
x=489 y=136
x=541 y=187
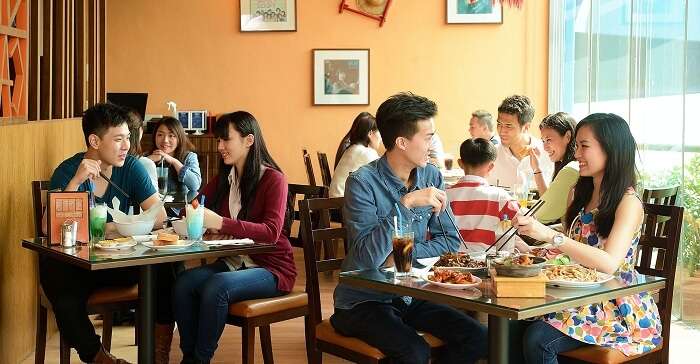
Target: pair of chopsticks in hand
x=113 y=185
x=511 y=230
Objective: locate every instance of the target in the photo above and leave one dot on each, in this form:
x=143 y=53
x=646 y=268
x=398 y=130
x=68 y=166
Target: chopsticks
x=114 y=185
x=511 y=230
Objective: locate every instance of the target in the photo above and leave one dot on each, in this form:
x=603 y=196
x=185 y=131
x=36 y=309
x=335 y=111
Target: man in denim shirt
x=403 y=178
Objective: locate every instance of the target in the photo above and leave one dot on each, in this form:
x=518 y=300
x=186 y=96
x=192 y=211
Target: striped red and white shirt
x=478 y=207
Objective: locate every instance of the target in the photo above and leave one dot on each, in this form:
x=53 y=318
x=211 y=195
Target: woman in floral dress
x=604 y=220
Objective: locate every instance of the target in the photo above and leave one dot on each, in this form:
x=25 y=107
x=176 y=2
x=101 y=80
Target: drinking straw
x=202 y=200
x=398 y=212
x=396 y=226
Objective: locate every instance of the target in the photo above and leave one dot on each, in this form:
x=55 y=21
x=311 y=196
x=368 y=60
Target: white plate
x=233 y=242
x=121 y=246
x=602 y=278
x=476 y=282
x=142 y=238
x=182 y=244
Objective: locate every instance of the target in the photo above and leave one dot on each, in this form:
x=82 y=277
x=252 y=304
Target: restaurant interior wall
x=31 y=150
x=196 y=56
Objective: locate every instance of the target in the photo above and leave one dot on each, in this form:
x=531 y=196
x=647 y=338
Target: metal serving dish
x=505 y=267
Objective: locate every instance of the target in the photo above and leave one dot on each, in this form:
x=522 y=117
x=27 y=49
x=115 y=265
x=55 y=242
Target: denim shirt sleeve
x=443 y=234
x=368 y=234
x=189 y=174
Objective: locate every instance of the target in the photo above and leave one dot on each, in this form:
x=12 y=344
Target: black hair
x=102 y=116
x=363 y=124
x=399 y=114
x=562 y=122
x=520 y=106
x=245 y=124
x=476 y=152
x=135 y=125
x=616 y=140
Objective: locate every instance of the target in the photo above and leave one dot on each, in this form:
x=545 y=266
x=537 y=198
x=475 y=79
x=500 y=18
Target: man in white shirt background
x=517 y=146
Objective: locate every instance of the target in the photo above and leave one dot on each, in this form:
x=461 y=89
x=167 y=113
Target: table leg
x=498 y=340
x=146 y=314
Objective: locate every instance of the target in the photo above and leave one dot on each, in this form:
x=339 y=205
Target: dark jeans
x=68 y=288
x=391 y=328
x=542 y=343
x=202 y=296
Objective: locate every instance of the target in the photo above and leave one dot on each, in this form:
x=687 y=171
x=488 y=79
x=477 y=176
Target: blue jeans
x=201 y=297
x=391 y=328
x=542 y=343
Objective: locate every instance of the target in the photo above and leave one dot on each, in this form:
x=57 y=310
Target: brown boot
x=164 y=337
x=105 y=357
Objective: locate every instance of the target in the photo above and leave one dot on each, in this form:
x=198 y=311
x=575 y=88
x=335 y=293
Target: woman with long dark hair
x=557 y=132
x=358 y=147
x=135 y=134
x=171 y=145
x=603 y=222
x=246 y=200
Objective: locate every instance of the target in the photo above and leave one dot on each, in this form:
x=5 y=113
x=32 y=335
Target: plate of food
x=575 y=276
x=168 y=242
x=452 y=279
x=116 y=244
x=462 y=261
x=519 y=265
x=554 y=256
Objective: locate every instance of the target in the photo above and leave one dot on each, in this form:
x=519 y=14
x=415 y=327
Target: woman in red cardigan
x=246 y=200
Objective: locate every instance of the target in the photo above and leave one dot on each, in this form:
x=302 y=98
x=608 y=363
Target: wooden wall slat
x=46 y=78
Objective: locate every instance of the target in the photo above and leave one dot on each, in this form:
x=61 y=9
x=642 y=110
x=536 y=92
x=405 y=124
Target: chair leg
x=40 y=349
x=64 y=351
x=266 y=343
x=248 y=339
x=313 y=356
x=136 y=328
x=107 y=319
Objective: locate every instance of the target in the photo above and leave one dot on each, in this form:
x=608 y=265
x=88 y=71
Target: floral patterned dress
x=630 y=324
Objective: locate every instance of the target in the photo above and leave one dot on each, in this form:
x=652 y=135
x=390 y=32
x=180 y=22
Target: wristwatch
x=558 y=240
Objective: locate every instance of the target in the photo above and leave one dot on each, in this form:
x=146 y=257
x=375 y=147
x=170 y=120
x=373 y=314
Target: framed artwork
x=341 y=76
x=474 y=11
x=268 y=15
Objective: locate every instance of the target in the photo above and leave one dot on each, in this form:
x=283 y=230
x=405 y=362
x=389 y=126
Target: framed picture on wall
x=474 y=12
x=341 y=76
x=268 y=15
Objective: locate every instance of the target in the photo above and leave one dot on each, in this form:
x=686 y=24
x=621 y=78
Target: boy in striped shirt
x=479 y=207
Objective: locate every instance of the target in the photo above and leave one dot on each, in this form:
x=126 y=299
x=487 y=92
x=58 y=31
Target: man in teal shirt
x=402 y=178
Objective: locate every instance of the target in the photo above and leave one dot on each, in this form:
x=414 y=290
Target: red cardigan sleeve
x=266 y=213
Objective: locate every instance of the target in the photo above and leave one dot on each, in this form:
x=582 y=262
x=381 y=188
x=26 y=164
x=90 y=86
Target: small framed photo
x=341 y=76
x=268 y=15
x=474 y=12
x=198 y=121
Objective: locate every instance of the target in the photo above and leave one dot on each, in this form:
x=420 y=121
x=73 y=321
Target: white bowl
x=135 y=228
x=180 y=227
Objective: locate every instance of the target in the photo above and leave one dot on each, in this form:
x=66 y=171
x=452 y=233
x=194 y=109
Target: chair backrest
x=39 y=189
x=309 y=167
x=316 y=234
x=325 y=168
x=297 y=192
x=661 y=196
x=657 y=255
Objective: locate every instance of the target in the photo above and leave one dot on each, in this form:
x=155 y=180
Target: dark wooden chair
x=103 y=301
x=325 y=169
x=657 y=254
x=309 y=167
x=296 y=192
x=661 y=196
x=320 y=335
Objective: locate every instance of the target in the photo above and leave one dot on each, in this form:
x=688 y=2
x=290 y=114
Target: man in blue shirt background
x=404 y=178
x=68 y=287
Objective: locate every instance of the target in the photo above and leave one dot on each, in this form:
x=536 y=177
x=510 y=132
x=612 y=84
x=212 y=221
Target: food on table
x=450 y=276
x=114 y=242
x=574 y=273
x=553 y=256
x=166 y=239
x=518 y=260
x=459 y=260
x=562 y=259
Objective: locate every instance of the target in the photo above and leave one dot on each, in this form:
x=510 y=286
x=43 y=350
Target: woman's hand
x=158 y=154
x=212 y=220
x=529 y=226
x=534 y=159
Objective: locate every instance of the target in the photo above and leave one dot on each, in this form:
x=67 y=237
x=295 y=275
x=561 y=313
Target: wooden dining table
x=503 y=312
x=92 y=258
